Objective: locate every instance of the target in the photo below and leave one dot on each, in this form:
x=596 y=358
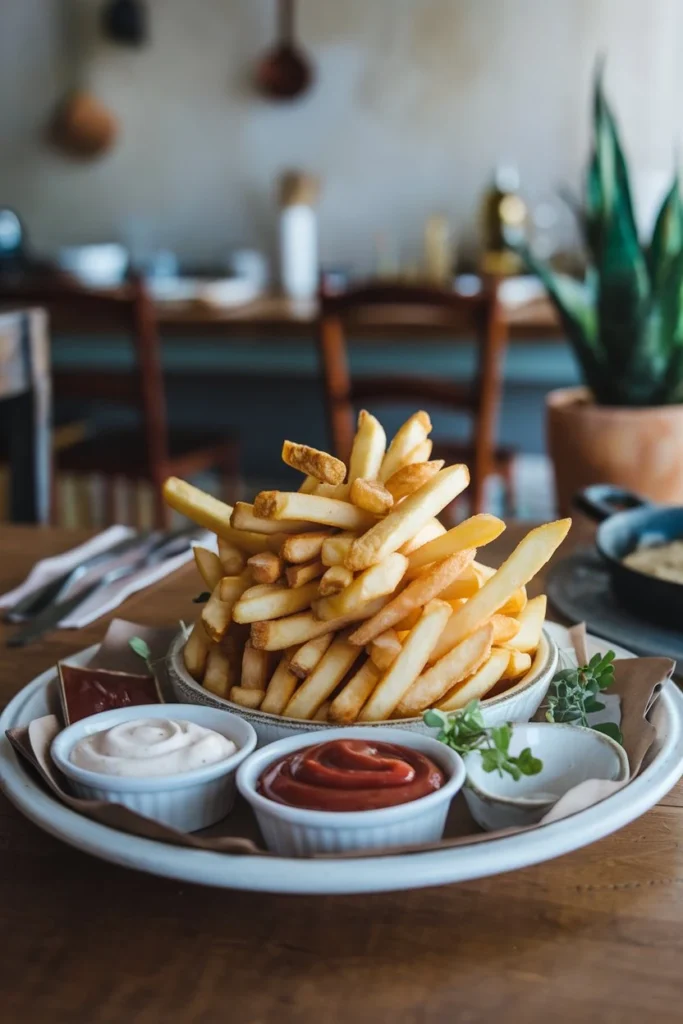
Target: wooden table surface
x=593 y=936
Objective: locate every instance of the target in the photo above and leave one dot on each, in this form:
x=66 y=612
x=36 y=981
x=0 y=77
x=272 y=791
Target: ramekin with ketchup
x=352 y=791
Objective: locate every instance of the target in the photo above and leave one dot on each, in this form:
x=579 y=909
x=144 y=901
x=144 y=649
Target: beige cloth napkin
x=638 y=682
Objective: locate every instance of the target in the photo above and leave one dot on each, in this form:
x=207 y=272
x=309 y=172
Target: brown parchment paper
x=638 y=682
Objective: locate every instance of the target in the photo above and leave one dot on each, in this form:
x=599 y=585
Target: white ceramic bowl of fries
x=347 y=602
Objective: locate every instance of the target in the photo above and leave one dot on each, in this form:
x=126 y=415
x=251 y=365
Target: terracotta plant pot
x=638 y=449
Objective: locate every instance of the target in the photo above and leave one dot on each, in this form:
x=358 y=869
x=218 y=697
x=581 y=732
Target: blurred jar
x=298 y=235
x=505 y=219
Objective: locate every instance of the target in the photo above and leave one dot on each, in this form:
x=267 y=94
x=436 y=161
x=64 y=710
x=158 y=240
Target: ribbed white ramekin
x=296 y=832
x=187 y=801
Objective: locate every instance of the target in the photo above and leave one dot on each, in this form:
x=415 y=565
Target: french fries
x=529 y=556
x=376 y=581
x=348 y=601
x=531 y=620
x=304 y=547
x=281 y=687
x=410 y=478
x=473 y=533
x=314 y=508
x=455 y=666
x=368 y=448
x=416 y=595
x=334 y=580
x=243 y=518
x=335 y=549
x=231 y=558
x=318 y=686
x=297 y=575
x=407 y=518
x=371 y=495
x=277 y=602
x=320 y=465
x=209 y=565
x=413 y=432
x=476 y=686
x=266 y=567
x=408 y=664
x=309 y=654
x=347 y=704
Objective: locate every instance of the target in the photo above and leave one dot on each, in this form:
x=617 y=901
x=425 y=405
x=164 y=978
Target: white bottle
x=298 y=236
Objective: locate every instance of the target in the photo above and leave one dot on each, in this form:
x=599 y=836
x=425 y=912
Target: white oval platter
x=381 y=874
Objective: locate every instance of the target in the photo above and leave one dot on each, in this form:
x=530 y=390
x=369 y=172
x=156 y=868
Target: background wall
x=416 y=100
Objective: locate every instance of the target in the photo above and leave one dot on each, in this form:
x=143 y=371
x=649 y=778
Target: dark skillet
x=626 y=521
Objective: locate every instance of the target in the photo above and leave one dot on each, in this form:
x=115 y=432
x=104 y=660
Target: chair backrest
x=129 y=310
x=381 y=305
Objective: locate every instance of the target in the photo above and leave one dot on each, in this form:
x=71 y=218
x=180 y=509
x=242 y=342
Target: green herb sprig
x=573 y=694
x=465 y=731
x=142 y=649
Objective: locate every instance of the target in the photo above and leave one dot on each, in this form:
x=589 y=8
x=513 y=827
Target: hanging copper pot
x=285 y=72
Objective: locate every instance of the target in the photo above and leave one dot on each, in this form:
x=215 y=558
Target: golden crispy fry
x=243 y=518
x=531 y=620
x=384 y=649
x=333 y=581
x=280 y=601
x=298 y=629
x=209 y=566
x=455 y=666
x=413 y=432
x=420 y=453
x=322 y=713
x=376 y=581
x=282 y=685
x=266 y=567
x=409 y=663
x=407 y=518
x=255 y=668
x=335 y=549
x=315 y=463
x=232 y=559
x=217 y=613
x=516 y=603
x=346 y=706
x=473 y=533
x=371 y=495
x=314 y=508
x=428 y=532
x=411 y=619
x=518 y=665
x=476 y=686
x=196 y=651
x=465 y=586
x=410 y=478
x=368 y=448
x=505 y=628
x=247 y=698
x=309 y=485
x=197 y=505
x=529 y=556
x=309 y=654
x=318 y=686
x=415 y=595
x=220 y=672
x=339 y=491
x=297 y=575
x=303 y=547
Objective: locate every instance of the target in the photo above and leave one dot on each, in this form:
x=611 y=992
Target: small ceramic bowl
x=518 y=704
x=570 y=755
x=187 y=801
x=297 y=832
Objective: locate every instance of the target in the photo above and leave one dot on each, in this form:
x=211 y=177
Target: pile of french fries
x=348 y=601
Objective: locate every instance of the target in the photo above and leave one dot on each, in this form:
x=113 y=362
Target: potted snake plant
x=624 y=321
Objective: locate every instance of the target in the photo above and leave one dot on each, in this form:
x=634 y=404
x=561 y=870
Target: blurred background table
x=85 y=942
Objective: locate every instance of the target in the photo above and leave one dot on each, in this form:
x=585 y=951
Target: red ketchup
x=350 y=775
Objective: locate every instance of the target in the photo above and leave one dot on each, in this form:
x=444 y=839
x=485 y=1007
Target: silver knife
x=58 y=610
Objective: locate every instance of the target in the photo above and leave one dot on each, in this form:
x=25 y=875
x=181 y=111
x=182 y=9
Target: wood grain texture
x=593 y=936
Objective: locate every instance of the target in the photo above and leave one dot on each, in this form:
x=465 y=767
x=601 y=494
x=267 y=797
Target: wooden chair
x=377 y=304
x=148 y=452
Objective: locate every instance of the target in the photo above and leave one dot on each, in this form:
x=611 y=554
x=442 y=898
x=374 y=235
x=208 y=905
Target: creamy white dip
x=151 y=747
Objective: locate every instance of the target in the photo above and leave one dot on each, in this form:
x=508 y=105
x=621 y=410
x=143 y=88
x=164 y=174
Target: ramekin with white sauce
x=174 y=763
